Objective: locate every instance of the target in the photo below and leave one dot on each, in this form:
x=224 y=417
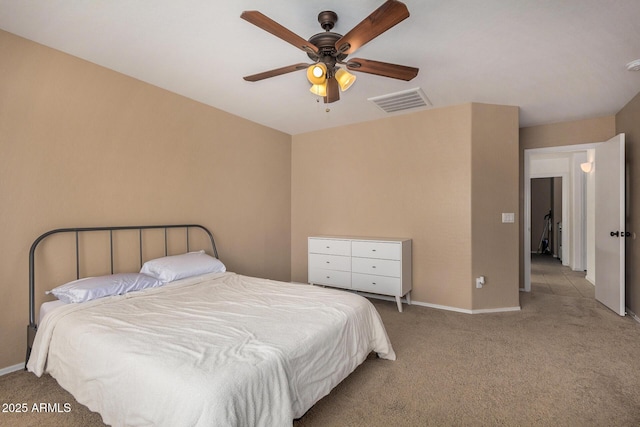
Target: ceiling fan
x=328 y=50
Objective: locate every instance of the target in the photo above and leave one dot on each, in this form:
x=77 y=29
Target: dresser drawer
x=321 y=276
x=330 y=262
x=330 y=246
x=376 y=284
x=381 y=267
x=383 y=250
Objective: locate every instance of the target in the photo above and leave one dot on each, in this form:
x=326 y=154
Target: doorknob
x=614 y=234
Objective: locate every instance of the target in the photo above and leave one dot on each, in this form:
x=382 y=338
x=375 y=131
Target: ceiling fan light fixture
x=319 y=90
x=345 y=79
x=317 y=73
x=327 y=49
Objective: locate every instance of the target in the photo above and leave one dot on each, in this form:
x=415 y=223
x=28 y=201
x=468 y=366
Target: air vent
x=404 y=100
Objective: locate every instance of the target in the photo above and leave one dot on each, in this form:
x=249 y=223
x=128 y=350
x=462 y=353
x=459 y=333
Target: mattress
x=48 y=307
x=221 y=349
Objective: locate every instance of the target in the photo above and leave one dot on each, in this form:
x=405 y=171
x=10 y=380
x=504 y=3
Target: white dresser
x=374 y=265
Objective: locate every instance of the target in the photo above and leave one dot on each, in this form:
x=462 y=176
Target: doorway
x=546 y=217
x=604 y=214
x=562 y=163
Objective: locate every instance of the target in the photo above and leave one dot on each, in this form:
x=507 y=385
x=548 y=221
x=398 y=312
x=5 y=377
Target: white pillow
x=176 y=267
x=103 y=286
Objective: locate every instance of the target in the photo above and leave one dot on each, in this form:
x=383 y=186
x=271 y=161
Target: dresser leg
x=408 y=297
x=399 y=302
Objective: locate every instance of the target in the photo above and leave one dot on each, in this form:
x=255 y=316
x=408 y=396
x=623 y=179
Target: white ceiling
x=557 y=60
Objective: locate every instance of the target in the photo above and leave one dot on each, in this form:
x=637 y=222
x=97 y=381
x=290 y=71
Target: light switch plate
x=508 y=217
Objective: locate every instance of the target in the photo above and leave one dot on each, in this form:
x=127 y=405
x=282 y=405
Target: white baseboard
x=465 y=310
x=438 y=306
x=495 y=310
x=10 y=369
x=633 y=315
x=444 y=307
x=590 y=279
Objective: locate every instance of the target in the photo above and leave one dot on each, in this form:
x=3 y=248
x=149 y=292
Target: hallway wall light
x=586 y=167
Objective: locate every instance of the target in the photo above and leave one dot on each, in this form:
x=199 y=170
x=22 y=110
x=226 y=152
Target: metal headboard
x=31 y=329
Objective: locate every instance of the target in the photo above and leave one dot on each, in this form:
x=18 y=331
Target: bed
x=214 y=348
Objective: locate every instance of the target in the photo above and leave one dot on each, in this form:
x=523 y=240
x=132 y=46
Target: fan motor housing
x=326 y=42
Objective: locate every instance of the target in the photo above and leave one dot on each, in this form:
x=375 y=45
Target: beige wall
x=628 y=122
x=81 y=145
x=406 y=176
x=568 y=133
x=411 y=176
x=494 y=190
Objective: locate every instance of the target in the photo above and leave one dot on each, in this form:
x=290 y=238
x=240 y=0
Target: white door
x=610 y=223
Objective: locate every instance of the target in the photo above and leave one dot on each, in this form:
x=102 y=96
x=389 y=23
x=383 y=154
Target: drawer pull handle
x=373 y=283
x=328 y=277
x=373 y=266
x=373 y=250
x=327 y=262
x=328 y=247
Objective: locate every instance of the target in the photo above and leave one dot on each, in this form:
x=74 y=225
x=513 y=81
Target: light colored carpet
x=560 y=361
x=549 y=276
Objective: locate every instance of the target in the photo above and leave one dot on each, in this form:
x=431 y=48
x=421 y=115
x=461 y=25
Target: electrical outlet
x=479 y=282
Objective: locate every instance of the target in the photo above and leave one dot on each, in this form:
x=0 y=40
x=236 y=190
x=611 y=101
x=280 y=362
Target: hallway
x=549 y=276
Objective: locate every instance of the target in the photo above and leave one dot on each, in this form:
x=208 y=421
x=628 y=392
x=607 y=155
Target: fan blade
x=333 y=91
x=386 y=16
x=401 y=72
x=276 y=72
x=271 y=26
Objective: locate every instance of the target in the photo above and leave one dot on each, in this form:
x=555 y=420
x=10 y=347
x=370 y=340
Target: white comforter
x=215 y=350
